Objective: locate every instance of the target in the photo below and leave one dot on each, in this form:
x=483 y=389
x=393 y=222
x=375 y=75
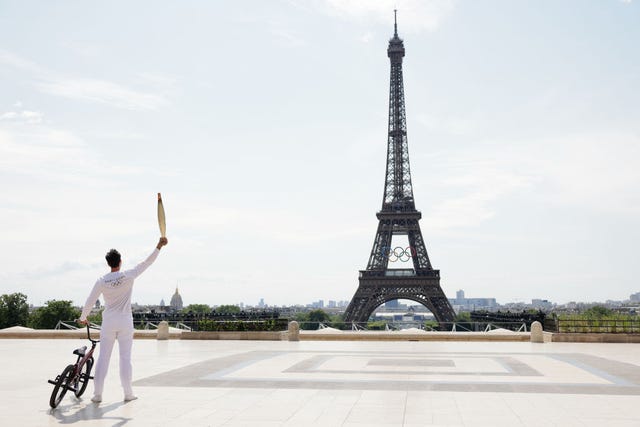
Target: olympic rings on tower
x=398 y=253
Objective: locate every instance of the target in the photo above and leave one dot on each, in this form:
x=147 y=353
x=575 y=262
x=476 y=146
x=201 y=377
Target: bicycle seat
x=80 y=351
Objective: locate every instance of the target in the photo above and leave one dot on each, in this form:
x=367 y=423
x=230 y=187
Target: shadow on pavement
x=80 y=411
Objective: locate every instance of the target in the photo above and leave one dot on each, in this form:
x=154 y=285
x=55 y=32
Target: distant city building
x=162 y=304
x=261 y=303
x=635 y=297
x=409 y=318
x=392 y=305
x=176 y=301
x=541 y=304
x=332 y=304
x=470 y=304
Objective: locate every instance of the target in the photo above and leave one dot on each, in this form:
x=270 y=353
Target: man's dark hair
x=113 y=258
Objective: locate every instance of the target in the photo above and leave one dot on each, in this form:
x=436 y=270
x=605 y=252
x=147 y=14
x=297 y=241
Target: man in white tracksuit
x=117 y=320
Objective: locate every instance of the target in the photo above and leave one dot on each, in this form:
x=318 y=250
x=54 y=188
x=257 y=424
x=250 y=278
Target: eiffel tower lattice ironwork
x=398 y=216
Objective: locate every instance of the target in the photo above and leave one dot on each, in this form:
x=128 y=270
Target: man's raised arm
x=140 y=268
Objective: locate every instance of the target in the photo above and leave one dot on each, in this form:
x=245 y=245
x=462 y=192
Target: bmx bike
x=74 y=377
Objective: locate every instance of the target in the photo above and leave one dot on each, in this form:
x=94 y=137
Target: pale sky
x=264 y=125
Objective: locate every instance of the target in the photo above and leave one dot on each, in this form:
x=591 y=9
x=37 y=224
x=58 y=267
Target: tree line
x=14 y=311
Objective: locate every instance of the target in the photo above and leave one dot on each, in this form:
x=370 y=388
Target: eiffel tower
x=398 y=216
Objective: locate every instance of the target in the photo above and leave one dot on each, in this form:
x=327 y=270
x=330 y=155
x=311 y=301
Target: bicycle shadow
x=79 y=411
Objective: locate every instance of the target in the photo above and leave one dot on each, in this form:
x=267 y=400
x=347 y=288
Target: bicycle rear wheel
x=84 y=377
x=61 y=387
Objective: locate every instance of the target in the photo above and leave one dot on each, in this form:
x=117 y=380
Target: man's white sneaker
x=130 y=397
x=97 y=398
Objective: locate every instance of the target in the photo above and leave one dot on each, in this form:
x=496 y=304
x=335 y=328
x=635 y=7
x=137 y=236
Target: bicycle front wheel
x=84 y=377
x=61 y=387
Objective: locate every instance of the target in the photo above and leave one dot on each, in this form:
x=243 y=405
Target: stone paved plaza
x=330 y=383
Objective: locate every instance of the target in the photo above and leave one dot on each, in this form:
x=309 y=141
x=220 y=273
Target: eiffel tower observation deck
x=398 y=216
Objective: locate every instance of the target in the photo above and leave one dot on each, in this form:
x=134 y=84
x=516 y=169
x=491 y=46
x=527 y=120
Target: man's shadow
x=80 y=411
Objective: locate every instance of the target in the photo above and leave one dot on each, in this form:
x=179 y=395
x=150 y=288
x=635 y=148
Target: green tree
x=463 y=316
x=378 y=325
x=598 y=311
x=96 y=318
x=310 y=321
x=228 y=309
x=14 y=310
x=430 y=325
x=47 y=317
x=318 y=316
x=462 y=320
x=337 y=321
x=197 y=308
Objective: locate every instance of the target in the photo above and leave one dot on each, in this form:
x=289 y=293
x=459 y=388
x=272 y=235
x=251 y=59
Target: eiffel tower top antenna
x=395 y=22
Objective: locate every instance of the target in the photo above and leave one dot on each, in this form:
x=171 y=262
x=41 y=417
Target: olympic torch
x=161 y=219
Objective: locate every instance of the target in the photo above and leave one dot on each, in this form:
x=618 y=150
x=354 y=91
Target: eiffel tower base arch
x=374 y=291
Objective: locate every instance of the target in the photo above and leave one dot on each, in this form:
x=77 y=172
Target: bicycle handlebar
x=89 y=333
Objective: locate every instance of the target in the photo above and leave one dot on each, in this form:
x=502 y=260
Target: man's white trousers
x=120 y=329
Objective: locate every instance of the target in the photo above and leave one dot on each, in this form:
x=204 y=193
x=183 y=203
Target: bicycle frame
x=82 y=360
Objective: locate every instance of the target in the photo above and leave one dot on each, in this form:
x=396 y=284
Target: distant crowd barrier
x=627 y=325
x=214 y=321
x=389 y=325
x=505 y=319
x=272 y=325
x=179 y=317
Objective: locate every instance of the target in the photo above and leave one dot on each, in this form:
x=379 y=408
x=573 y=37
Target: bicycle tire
x=61 y=387
x=84 y=377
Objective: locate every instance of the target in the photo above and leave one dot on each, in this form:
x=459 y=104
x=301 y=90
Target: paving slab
x=334 y=383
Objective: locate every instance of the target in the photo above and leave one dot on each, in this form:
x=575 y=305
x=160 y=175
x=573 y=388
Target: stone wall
x=419 y=336
x=601 y=338
x=229 y=335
